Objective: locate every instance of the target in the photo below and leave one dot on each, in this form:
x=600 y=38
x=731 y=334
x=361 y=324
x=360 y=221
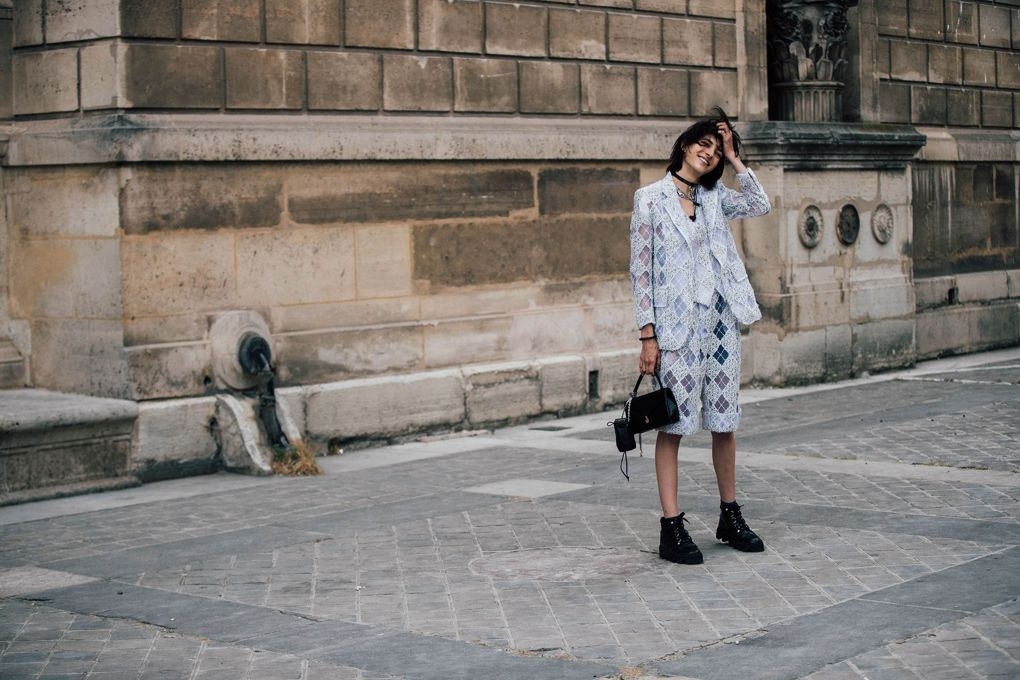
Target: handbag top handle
x=655 y=380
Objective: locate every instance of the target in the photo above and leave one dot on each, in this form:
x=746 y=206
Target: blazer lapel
x=671 y=205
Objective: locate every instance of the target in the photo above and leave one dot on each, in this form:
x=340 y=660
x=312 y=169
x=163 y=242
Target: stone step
x=54 y=444
x=13 y=369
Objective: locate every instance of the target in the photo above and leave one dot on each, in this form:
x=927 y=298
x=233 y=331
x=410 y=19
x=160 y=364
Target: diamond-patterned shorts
x=705 y=375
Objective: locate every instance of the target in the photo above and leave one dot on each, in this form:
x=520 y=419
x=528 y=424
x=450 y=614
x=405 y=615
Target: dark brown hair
x=703 y=127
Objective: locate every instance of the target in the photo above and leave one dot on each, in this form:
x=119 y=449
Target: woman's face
x=702 y=156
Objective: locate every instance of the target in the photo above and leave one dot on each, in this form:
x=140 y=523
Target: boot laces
x=679 y=531
x=737 y=519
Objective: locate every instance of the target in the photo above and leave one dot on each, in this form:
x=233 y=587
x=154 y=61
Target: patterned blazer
x=664 y=283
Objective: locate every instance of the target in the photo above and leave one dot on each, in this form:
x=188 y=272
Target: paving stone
x=552 y=573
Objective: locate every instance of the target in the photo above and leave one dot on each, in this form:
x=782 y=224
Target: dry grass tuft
x=297 y=460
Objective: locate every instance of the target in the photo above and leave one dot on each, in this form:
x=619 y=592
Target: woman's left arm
x=751 y=200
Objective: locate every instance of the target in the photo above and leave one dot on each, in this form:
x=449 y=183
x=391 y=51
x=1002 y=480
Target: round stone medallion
x=811 y=226
x=882 y=223
x=849 y=225
x=564 y=564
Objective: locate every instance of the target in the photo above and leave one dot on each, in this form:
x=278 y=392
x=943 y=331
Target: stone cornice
x=218 y=137
x=960 y=144
x=809 y=146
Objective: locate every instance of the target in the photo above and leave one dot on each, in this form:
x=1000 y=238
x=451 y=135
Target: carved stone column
x=807 y=46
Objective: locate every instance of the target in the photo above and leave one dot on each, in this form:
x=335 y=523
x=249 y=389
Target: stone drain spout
x=254 y=426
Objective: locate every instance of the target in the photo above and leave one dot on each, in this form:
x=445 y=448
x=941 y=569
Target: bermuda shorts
x=705 y=375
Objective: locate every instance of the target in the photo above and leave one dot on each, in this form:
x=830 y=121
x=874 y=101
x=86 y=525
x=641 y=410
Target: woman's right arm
x=641 y=281
x=641 y=263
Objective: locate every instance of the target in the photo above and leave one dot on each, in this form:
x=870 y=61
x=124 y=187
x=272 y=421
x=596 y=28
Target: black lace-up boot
x=675 y=543
x=734 y=530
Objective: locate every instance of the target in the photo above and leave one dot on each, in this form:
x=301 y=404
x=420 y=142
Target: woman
x=690 y=290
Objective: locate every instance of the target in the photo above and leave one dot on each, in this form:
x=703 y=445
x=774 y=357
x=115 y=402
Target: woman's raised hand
x=726 y=133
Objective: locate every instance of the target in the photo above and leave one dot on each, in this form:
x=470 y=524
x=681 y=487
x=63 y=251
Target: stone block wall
x=543 y=57
x=965 y=217
x=949 y=63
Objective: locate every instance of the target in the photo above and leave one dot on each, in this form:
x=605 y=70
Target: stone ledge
x=33 y=409
x=960 y=329
x=975 y=287
x=50 y=440
x=245 y=137
x=808 y=146
x=948 y=144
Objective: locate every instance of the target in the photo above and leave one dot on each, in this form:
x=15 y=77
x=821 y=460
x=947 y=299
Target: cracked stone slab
x=526 y=488
x=28 y=580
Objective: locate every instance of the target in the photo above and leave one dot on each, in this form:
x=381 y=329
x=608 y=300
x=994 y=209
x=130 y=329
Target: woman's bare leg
x=724 y=458
x=666 y=448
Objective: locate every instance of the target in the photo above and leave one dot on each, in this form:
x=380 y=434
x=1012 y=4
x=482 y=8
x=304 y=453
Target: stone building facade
x=424 y=204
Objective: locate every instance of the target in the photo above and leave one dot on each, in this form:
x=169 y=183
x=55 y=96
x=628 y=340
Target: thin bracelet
x=650 y=337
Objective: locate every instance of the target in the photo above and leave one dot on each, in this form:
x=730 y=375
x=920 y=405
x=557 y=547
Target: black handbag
x=642 y=413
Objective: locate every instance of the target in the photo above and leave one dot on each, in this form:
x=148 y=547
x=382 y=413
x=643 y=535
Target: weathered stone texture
x=635 y=38
x=295 y=266
x=385 y=406
x=174 y=77
x=175 y=274
x=384 y=195
x=963 y=217
x=46 y=82
x=208 y=197
x=583 y=190
x=486 y=85
x=721 y=9
x=383 y=262
x=963 y=107
x=101 y=67
x=548 y=87
x=447 y=26
x=892 y=17
x=487 y=253
x=344 y=81
x=72 y=202
x=962 y=22
x=264 y=79
x=944 y=64
x=713 y=88
x=908 y=61
x=978 y=67
x=340 y=354
x=662 y=92
x=927 y=20
x=577 y=34
x=894 y=101
x=725 y=41
x=687 y=42
x=515 y=29
x=379 y=23
x=73 y=20
x=58 y=346
x=927 y=105
x=231 y=20
x=148 y=19
x=28 y=23
x=1008 y=69
x=168 y=371
x=417 y=83
x=607 y=90
x=314 y=22
x=6 y=69
x=996 y=109
x=664 y=6
x=65 y=278
x=994 y=25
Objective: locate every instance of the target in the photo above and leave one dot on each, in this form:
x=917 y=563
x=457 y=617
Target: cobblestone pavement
x=889 y=507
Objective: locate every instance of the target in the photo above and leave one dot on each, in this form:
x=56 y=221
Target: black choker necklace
x=690 y=184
